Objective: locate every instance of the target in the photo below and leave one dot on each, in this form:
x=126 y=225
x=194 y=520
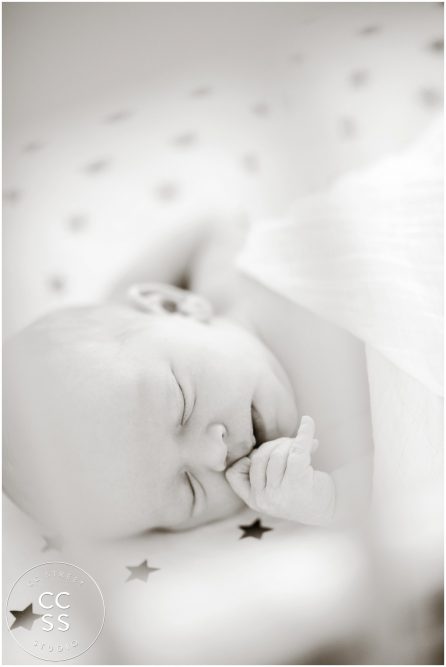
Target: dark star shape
x=141 y=571
x=52 y=542
x=24 y=618
x=255 y=529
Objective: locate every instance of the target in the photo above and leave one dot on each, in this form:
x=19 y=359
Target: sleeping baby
x=173 y=407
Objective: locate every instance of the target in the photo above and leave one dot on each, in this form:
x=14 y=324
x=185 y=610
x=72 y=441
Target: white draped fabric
x=367 y=255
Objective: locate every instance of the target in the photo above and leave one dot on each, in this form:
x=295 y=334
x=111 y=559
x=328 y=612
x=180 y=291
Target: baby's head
x=123 y=418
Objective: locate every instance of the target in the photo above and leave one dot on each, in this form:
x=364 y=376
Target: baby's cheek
x=221 y=502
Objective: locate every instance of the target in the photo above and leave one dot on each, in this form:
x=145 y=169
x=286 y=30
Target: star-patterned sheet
x=243 y=111
x=220 y=109
x=249 y=589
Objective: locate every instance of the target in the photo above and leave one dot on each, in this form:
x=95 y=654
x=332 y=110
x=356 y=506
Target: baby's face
x=158 y=419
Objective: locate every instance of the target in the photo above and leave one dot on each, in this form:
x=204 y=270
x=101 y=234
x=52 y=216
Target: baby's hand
x=278 y=479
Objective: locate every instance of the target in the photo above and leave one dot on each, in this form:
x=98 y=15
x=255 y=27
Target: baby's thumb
x=238 y=478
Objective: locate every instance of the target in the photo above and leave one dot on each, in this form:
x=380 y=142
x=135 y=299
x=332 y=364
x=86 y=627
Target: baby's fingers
x=276 y=467
x=238 y=478
x=257 y=472
x=303 y=441
x=298 y=468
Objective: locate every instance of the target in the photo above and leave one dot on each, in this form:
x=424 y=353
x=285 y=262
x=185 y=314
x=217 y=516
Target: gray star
x=370 y=30
x=347 y=127
x=296 y=58
x=201 y=91
x=141 y=571
x=431 y=97
x=33 y=146
x=260 y=109
x=437 y=45
x=255 y=530
x=185 y=140
x=167 y=191
x=24 y=618
x=57 y=283
x=52 y=542
x=359 y=78
x=97 y=166
x=251 y=162
x=77 y=223
x=118 y=116
x=11 y=196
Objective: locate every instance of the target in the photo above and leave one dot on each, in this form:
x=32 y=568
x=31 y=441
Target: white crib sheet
x=216 y=598
x=304 y=93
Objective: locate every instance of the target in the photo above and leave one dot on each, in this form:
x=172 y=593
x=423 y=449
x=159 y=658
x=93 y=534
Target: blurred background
x=121 y=118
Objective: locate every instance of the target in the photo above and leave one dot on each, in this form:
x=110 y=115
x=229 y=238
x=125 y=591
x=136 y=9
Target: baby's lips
x=238 y=450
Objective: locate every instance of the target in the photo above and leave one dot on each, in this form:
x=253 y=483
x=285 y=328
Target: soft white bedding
x=367 y=255
x=205 y=128
x=216 y=598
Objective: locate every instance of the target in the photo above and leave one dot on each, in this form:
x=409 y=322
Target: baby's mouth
x=259 y=436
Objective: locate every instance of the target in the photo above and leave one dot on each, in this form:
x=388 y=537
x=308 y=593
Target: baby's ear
x=165 y=299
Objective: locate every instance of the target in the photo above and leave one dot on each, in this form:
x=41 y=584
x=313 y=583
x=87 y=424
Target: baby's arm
x=167 y=257
x=278 y=479
x=195 y=255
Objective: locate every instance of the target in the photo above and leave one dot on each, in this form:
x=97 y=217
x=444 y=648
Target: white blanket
x=367 y=255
